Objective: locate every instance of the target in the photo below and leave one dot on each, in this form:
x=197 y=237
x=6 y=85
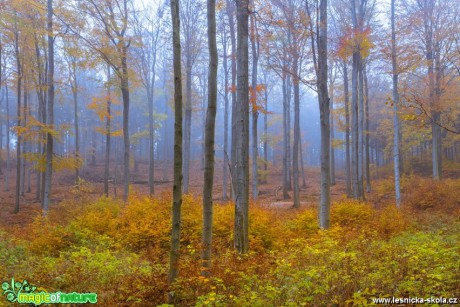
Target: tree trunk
x=165 y=132
x=288 y=135
x=332 y=153
x=187 y=122
x=323 y=99
x=295 y=155
x=366 y=132
x=266 y=134
x=395 y=107
x=209 y=139
x=231 y=22
x=177 y=188
x=226 y=105
x=50 y=109
x=151 y=139
x=25 y=144
x=285 y=141
x=107 y=136
x=19 y=122
x=304 y=180
x=255 y=112
x=347 y=130
x=361 y=129
x=125 y=95
x=355 y=118
x=76 y=126
x=242 y=131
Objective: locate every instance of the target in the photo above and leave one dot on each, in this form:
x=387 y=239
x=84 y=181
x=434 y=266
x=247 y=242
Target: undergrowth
x=121 y=251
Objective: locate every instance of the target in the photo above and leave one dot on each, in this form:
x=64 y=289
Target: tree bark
x=177 y=187
x=323 y=99
x=286 y=132
x=366 y=133
x=209 y=139
x=295 y=154
x=355 y=166
x=107 y=135
x=125 y=95
x=395 y=106
x=50 y=110
x=19 y=121
x=255 y=112
x=226 y=105
x=241 y=238
x=187 y=122
x=231 y=22
x=331 y=111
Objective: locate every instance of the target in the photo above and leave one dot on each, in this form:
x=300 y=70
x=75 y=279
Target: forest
x=230 y=152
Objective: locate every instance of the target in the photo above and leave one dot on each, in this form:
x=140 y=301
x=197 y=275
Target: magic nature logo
x=24 y=293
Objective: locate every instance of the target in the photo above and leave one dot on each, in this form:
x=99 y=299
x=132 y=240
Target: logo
x=24 y=293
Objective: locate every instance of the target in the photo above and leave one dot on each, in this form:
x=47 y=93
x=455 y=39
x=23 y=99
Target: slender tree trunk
x=295 y=155
x=108 y=127
x=288 y=135
x=395 y=107
x=255 y=112
x=19 y=123
x=203 y=118
x=76 y=124
x=323 y=99
x=165 y=132
x=209 y=139
x=187 y=122
x=266 y=134
x=304 y=180
x=355 y=119
x=242 y=131
x=231 y=22
x=151 y=140
x=347 y=129
x=50 y=109
x=25 y=144
x=366 y=132
x=177 y=188
x=332 y=153
x=125 y=94
x=226 y=102
x=361 y=129
x=285 y=142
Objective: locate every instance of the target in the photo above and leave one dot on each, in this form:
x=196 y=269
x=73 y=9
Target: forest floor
x=270 y=192
x=89 y=243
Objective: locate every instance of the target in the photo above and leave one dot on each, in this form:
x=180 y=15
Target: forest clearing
x=230 y=152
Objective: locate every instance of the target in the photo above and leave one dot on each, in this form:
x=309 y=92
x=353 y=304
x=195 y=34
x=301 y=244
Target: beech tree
x=209 y=138
x=241 y=133
x=395 y=106
x=109 y=35
x=177 y=187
